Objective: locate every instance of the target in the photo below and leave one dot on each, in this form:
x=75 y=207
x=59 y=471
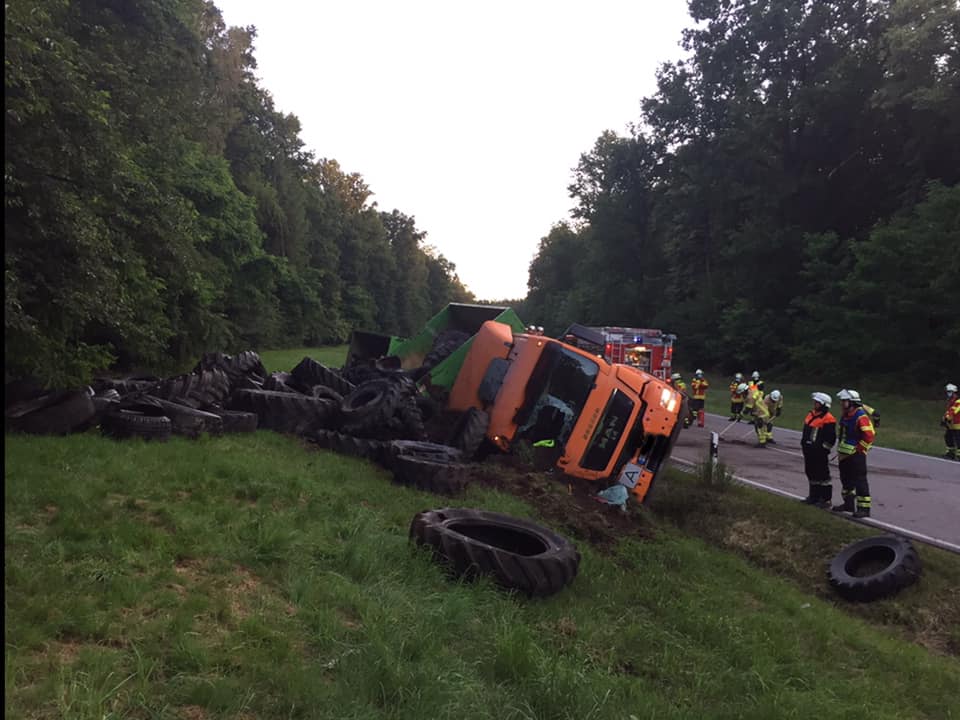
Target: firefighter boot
x=701 y=417
x=847 y=505
x=863 y=507
x=824 y=493
x=811 y=498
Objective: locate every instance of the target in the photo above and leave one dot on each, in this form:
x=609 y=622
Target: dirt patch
x=192 y=712
x=566 y=502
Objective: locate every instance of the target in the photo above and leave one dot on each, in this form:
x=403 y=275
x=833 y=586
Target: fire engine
x=648 y=349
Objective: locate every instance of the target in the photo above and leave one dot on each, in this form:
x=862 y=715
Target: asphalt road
x=914 y=495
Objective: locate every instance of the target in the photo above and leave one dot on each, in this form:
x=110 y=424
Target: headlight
x=668 y=399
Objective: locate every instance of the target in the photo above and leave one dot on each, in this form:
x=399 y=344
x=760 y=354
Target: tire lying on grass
x=121 y=424
x=443 y=478
x=53 y=413
x=518 y=554
x=874 y=568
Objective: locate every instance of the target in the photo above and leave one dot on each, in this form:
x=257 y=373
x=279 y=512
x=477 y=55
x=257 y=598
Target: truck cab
x=608 y=422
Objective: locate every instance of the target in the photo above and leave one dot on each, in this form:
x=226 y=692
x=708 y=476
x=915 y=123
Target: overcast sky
x=470 y=117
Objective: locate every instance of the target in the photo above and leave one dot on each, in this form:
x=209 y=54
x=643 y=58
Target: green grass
x=250 y=577
x=286 y=360
x=910 y=423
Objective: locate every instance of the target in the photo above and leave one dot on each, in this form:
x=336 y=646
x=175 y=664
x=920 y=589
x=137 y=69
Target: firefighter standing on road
x=698 y=389
x=755 y=382
x=819 y=436
x=761 y=415
x=774 y=403
x=856 y=439
x=680 y=386
x=951 y=423
x=736 y=398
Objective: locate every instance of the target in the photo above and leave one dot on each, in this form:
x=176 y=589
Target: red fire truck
x=649 y=349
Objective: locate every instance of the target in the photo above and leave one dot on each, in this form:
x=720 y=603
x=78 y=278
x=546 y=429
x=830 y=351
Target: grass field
x=253 y=577
x=286 y=360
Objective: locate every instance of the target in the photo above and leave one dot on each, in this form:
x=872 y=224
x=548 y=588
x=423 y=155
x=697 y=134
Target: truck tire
x=518 y=554
x=874 y=568
x=184 y=420
x=423 y=450
x=235 y=421
x=351 y=445
x=199 y=391
x=57 y=413
x=442 y=478
x=309 y=373
x=285 y=412
x=370 y=406
x=469 y=432
x=121 y=424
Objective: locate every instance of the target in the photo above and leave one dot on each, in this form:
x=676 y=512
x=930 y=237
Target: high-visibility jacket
x=753 y=400
x=734 y=395
x=856 y=433
x=773 y=408
x=819 y=431
x=680 y=386
x=874 y=415
x=952 y=415
x=698 y=386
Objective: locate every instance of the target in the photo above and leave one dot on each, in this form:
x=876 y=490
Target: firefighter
x=760 y=410
x=698 y=388
x=856 y=435
x=680 y=386
x=749 y=400
x=736 y=398
x=774 y=403
x=951 y=423
x=755 y=382
x=819 y=436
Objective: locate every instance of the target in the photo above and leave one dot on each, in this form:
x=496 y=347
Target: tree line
x=158 y=205
x=788 y=198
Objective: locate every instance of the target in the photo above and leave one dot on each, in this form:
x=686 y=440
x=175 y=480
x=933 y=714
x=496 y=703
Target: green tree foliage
x=773 y=207
x=157 y=205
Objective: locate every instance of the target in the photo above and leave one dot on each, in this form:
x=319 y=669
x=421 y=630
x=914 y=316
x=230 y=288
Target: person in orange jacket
x=816 y=442
x=736 y=398
x=951 y=423
x=856 y=438
x=698 y=396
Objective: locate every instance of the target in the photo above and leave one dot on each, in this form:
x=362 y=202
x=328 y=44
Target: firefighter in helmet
x=680 y=386
x=755 y=382
x=856 y=436
x=698 y=389
x=749 y=400
x=736 y=398
x=951 y=423
x=774 y=403
x=816 y=442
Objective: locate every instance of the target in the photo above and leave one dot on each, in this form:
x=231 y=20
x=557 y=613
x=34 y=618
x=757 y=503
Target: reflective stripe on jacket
x=856 y=433
x=734 y=395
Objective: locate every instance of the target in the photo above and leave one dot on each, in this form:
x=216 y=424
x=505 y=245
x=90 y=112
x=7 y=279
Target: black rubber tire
x=59 y=414
x=285 y=412
x=518 y=554
x=185 y=420
x=874 y=568
x=443 y=478
x=444 y=345
x=469 y=432
x=410 y=420
x=309 y=373
x=121 y=424
x=351 y=445
x=423 y=450
x=326 y=393
x=370 y=405
x=246 y=364
x=236 y=421
x=199 y=390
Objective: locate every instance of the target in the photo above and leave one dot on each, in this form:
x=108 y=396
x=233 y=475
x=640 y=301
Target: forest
x=787 y=199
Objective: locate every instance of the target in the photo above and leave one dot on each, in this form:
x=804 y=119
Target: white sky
x=469 y=117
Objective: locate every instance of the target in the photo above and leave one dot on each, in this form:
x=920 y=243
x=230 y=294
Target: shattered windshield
x=556 y=394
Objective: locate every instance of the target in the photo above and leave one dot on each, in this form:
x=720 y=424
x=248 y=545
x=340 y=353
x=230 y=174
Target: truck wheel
x=235 y=421
x=423 y=450
x=469 y=432
x=370 y=405
x=518 y=554
x=874 y=568
x=344 y=444
x=122 y=424
x=309 y=373
x=442 y=478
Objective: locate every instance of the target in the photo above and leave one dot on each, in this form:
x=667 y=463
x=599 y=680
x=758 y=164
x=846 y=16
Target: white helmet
x=738 y=377
x=742 y=388
x=821 y=398
x=675 y=376
x=699 y=373
x=775 y=396
x=851 y=395
x=951 y=388
x=755 y=375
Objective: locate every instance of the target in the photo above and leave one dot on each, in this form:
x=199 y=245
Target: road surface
x=914 y=495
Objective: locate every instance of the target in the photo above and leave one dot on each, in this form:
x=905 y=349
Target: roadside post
x=714 y=453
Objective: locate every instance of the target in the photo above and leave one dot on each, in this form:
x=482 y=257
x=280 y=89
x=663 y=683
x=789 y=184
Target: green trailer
x=410 y=353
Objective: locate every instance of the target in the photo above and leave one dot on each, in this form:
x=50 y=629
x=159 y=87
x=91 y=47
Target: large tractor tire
x=442 y=478
x=518 y=554
x=370 y=406
x=285 y=412
x=470 y=431
x=309 y=373
x=121 y=424
x=874 y=568
x=54 y=413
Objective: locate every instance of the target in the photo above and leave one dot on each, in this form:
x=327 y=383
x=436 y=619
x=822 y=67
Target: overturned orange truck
x=605 y=422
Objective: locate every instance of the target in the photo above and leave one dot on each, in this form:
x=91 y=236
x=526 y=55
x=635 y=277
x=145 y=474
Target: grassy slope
x=248 y=577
